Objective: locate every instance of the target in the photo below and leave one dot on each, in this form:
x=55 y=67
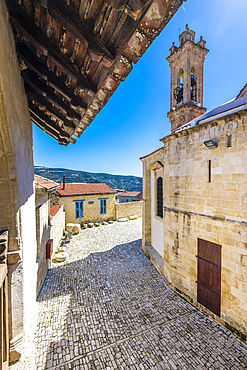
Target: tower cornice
x=178 y=51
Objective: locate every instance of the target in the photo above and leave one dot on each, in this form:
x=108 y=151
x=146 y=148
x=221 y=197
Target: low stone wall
x=128 y=209
x=57 y=227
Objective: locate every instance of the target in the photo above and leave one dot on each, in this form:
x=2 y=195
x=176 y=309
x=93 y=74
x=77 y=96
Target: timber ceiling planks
x=73 y=54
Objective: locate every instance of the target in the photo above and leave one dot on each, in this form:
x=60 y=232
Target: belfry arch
x=193 y=85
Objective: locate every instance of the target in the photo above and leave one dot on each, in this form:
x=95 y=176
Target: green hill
x=120 y=182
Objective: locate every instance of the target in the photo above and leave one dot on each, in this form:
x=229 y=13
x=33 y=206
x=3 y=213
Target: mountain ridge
x=120 y=182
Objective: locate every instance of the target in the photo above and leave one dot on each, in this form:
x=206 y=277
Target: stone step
x=124 y=219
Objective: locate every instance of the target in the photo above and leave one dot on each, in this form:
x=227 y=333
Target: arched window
x=160 y=197
x=192 y=87
x=178 y=92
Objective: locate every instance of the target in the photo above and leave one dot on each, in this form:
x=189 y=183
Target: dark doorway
x=209 y=275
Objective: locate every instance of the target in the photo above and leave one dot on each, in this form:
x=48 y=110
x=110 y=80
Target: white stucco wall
x=157 y=227
x=28 y=233
x=57 y=227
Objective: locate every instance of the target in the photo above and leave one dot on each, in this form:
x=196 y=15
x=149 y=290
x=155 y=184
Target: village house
x=129 y=196
x=85 y=203
x=194 y=190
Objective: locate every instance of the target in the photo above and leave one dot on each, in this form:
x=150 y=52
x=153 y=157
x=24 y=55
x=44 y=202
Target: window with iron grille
x=160 y=197
x=79 y=209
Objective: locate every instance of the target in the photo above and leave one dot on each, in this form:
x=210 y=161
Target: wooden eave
x=73 y=54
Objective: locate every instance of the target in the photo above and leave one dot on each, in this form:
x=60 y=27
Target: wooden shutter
x=102 y=206
x=77 y=214
x=81 y=209
x=209 y=275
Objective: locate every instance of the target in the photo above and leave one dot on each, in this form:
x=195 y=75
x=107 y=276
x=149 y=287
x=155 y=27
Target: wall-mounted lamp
x=211 y=144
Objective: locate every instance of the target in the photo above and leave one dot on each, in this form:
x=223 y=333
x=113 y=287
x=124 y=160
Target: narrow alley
x=107 y=307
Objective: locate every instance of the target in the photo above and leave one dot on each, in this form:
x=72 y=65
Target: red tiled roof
x=45 y=183
x=84 y=189
x=54 y=210
x=151 y=153
x=129 y=194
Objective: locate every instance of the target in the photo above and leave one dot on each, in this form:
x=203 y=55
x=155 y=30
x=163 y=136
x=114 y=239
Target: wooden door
x=209 y=275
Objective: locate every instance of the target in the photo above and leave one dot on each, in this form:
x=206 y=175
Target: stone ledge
x=156 y=259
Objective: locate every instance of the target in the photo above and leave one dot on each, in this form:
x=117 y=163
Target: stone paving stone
x=106 y=307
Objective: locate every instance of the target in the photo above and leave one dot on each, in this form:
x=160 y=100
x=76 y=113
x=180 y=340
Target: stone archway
x=146 y=214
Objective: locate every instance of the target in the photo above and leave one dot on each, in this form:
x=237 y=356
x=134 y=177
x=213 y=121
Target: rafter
x=61 y=130
x=71 y=20
x=133 y=8
x=131 y=16
x=44 y=90
x=27 y=27
x=44 y=104
x=51 y=79
x=49 y=130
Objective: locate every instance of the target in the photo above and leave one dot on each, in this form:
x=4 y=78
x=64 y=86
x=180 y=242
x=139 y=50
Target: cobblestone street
x=107 y=307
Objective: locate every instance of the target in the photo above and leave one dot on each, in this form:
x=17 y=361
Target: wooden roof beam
x=27 y=27
x=133 y=8
x=44 y=90
x=71 y=20
x=49 y=122
x=51 y=79
x=49 y=130
x=44 y=104
x=62 y=131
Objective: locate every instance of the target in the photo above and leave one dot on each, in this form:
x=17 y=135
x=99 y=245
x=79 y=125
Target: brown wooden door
x=209 y=275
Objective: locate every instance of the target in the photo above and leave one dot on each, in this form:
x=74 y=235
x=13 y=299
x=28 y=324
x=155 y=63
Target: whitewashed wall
x=157 y=227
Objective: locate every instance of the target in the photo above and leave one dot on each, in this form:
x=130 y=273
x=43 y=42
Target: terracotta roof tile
x=84 y=189
x=129 y=194
x=54 y=210
x=45 y=183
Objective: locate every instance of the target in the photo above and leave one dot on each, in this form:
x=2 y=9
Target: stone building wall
x=57 y=227
x=42 y=236
x=91 y=208
x=195 y=208
x=128 y=209
x=17 y=201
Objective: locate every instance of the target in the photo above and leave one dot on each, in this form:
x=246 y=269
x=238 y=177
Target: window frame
x=159 y=197
x=103 y=206
x=79 y=209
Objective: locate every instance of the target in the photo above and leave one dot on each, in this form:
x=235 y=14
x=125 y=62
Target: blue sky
x=135 y=118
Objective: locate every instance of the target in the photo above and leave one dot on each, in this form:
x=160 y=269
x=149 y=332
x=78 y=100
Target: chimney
x=63 y=183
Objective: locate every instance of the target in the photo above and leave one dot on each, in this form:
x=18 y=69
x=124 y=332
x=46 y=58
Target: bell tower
x=186 y=63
